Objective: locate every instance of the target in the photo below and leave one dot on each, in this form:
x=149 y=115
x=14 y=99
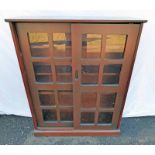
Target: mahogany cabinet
x=76 y=72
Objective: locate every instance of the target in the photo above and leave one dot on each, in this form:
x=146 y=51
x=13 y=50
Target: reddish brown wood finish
x=78 y=20
x=23 y=72
x=129 y=78
x=132 y=32
x=20 y=29
x=77 y=133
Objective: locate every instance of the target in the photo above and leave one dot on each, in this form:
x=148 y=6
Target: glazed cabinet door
x=102 y=62
x=47 y=54
x=77 y=73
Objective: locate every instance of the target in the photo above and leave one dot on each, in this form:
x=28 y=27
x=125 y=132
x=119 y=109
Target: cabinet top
x=76 y=19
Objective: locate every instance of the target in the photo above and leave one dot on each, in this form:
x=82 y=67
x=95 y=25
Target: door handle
x=76 y=74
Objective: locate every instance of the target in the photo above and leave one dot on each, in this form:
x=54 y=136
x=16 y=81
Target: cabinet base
x=39 y=132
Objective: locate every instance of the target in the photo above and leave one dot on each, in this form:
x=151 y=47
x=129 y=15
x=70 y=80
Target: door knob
x=76 y=74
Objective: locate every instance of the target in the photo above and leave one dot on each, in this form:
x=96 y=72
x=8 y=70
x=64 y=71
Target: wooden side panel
x=23 y=71
x=129 y=77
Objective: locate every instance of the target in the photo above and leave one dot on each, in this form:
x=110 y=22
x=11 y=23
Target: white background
x=140 y=99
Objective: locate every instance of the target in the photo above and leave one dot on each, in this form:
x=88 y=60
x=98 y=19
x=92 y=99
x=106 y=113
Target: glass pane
x=39 y=44
x=105 y=117
x=116 y=68
x=107 y=100
x=89 y=74
x=66 y=115
x=110 y=79
x=62 y=44
x=49 y=115
x=88 y=100
x=87 y=117
x=111 y=74
x=65 y=98
x=64 y=73
x=115 y=46
x=42 y=72
x=47 y=98
x=91 y=45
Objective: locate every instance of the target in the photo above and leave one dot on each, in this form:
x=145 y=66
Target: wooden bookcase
x=76 y=72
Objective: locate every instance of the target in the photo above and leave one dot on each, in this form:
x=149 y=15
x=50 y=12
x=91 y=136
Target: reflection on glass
x=88 y=100
x=114 y=68
x=87 y=117
x=65 y=97
x=115 y=46
x=105 y=117
x=66 y=115
x=42 y=72
x=91 y=45
x=39 y=44
x=49 y=114
x=62 y=44
x=107 y=100
x=64 y=73
x=111 y=74
x=47 y=98
x=89 y=74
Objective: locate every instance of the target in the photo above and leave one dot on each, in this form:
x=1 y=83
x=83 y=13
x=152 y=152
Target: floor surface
x=18 y=130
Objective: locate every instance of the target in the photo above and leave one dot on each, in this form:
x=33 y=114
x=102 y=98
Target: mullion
x=52 y=58
x=100 y=78
x=57 y=106
x=54 y=75
x=97 y=108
